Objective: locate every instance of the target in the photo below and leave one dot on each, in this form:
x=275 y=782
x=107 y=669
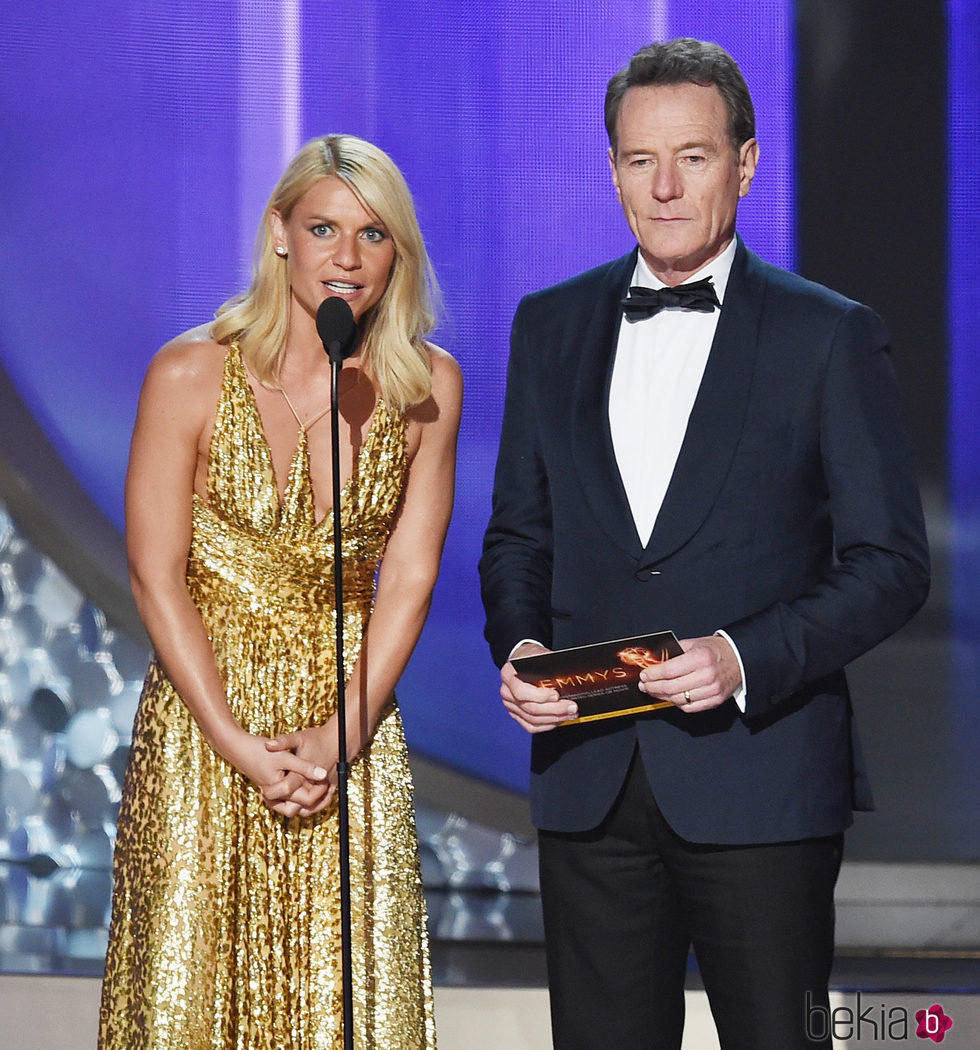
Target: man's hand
x=705 y=675
x=534 y=708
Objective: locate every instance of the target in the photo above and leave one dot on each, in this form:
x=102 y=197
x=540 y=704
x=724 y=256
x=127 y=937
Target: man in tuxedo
x=728 y=461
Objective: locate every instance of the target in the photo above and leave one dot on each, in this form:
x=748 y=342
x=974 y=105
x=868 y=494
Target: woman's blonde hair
x=393 y=346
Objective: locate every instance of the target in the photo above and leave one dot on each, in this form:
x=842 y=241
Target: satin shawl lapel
x=718 y=415
x=591 y=438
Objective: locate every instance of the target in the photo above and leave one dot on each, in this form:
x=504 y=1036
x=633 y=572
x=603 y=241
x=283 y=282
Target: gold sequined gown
x=226 y=918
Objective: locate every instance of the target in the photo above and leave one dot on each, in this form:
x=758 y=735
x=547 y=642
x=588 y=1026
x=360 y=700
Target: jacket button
x=645 y=574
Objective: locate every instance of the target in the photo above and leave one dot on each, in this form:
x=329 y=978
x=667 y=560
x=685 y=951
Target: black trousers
x=624 y=902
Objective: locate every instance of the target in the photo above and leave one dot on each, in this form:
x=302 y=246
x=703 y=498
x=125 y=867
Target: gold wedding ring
x=687 y=696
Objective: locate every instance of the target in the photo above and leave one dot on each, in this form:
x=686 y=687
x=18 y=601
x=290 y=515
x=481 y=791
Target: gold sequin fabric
x=225 y=928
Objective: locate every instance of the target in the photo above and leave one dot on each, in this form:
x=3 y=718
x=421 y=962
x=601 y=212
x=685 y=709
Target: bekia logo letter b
x=933 y=1023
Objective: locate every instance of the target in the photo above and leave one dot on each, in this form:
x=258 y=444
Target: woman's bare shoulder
x=447 y=379
x=187 y=371
x=191 y=357
x=444 y=404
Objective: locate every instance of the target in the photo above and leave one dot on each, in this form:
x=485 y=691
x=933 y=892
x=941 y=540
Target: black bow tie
x=645 y=302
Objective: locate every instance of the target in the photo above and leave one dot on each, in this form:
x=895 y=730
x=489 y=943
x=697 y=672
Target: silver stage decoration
x=69 y=686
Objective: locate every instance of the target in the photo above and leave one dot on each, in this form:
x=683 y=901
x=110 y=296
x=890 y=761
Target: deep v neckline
x=284 y=497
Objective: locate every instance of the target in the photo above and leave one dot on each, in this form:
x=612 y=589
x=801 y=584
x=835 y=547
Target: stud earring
x=281 y=251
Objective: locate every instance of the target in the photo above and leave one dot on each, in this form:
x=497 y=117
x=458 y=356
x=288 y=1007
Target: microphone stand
x=337 y=329
x=343 y=766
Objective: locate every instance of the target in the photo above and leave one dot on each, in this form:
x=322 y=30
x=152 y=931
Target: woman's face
x=334 y=248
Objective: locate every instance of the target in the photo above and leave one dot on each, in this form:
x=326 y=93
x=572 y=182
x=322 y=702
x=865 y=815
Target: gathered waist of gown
x=228 y=564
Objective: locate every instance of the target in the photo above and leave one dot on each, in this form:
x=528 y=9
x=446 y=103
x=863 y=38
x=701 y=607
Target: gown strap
x=304 y=425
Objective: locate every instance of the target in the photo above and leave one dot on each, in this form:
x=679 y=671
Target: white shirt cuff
x=533 y=641
x=740 y=693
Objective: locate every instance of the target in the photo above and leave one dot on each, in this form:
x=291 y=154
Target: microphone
x=337 y=328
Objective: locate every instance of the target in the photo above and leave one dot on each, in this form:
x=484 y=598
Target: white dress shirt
x=657 y=372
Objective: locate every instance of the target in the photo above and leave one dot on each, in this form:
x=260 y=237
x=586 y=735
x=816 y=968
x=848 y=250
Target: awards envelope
x=602 y=678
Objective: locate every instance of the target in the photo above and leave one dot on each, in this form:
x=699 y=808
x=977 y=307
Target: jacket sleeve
x=515 y=569
x=880 y=573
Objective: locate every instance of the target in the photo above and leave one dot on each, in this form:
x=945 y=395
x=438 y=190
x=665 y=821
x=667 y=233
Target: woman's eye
x=375 y=235
x=320 y=230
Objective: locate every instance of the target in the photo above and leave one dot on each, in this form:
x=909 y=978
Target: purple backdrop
x=141 y=140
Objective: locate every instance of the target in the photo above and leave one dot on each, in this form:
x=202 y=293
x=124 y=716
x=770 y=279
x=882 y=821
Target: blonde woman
x=225 y=930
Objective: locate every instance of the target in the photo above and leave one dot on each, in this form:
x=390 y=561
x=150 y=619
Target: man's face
x=678 y=176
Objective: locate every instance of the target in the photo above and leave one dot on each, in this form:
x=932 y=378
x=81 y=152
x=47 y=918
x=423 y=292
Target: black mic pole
x=343 y=766
x=338 y=331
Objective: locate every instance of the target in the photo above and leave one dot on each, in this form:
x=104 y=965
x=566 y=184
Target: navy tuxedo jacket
x=792 y=521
